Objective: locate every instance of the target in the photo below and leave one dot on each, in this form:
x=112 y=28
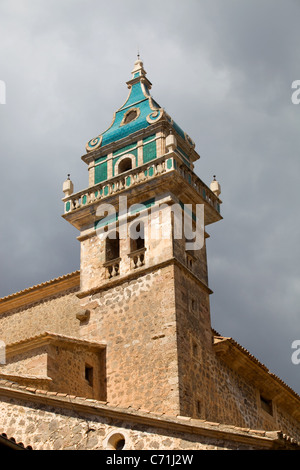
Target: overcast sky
x=223 y=70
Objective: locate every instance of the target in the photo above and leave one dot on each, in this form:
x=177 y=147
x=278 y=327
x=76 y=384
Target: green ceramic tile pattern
x=149 y=110
x=149 y=151
x=149 y=138
x=125 y=149
x=101 y=173
x=100 y=159
x=169 y=163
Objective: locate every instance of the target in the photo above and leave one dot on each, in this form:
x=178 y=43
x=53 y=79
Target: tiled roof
x=12 y=443
x=159 y=419
x=48 y=336
x=223 y=339
x=38 y=286
x=147 y=110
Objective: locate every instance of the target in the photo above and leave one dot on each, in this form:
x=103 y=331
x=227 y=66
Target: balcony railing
x=167 y=163
x=137 y=258
x=112 y=268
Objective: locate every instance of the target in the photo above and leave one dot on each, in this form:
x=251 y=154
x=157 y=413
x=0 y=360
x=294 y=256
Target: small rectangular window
x=89 y=374
x=266 y=405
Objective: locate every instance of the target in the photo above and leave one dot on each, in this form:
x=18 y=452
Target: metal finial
x=214 y=177
x=69 y=176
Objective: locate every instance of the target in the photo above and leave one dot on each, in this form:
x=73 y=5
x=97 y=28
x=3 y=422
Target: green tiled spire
x=138 y=112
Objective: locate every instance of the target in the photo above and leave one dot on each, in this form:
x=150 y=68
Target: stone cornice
x=141 y=272
x=239 y=359
x=179 y=424
x=46 y=338
x=40 y=291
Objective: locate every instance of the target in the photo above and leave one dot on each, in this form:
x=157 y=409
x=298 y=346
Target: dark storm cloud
x=223 y=70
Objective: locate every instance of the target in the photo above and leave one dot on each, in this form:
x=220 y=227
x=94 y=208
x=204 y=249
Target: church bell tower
x=143 y=278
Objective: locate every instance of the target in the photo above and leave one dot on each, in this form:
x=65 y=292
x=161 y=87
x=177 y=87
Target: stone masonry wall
x=137 y=321
x=33 y=363
x=209 y=389
x=66 y=367
x=47 y=427
x=56 y=314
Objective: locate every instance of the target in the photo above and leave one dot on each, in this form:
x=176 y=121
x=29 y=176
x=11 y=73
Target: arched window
x=112 y=247
x=137 y=236
x=125 y=165
x=137 y=244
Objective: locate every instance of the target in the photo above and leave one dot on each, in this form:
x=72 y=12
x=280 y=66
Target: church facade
x=121 y=354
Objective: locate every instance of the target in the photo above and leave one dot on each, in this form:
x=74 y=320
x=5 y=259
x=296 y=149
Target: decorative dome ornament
x=68 y=187
x=215 y=187
x=154 y=116
x=137 y=113
x=93 y=144
x=131 y=115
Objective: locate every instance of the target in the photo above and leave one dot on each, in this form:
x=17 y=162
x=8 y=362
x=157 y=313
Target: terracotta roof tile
x=13 y=441
x=255 y=360
x=38 y=286
x=270 y=435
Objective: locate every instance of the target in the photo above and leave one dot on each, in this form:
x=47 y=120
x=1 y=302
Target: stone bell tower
x=145 y=293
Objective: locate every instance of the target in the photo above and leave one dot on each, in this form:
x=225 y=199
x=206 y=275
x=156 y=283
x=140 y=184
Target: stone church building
x=121 y=353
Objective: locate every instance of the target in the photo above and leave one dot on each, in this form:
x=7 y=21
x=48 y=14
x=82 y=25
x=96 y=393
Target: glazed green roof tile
x=138 y=112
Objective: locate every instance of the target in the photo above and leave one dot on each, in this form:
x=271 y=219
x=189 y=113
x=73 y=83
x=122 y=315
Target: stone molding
x=40 y=292
x=178 y=424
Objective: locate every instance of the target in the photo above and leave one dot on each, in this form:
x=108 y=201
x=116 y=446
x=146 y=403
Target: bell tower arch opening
x=125 y=165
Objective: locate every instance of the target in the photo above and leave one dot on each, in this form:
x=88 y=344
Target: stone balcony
x=170 y=163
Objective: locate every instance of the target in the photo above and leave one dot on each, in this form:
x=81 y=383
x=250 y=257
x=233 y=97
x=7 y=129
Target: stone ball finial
x=171 y=142
x=68 y=187
x=215 y=186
